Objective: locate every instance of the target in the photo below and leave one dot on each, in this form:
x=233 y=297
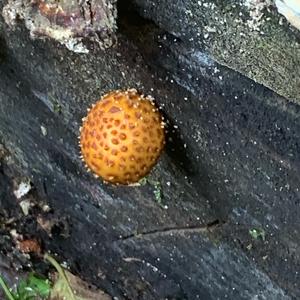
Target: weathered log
x=231 y=165
x=248 y=36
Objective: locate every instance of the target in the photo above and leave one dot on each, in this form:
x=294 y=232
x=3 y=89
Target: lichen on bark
x=265 y=48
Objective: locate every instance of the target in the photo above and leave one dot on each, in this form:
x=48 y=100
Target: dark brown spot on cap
x=100 y=113
x=118 y=97
x=95 y=165
x=114 y=152
x=138 y=115
x=94 y=146
x=122 y=136
x=110 y=163
x=114 y=109
x=122 y=167
x=139 y=149
x=105 y=103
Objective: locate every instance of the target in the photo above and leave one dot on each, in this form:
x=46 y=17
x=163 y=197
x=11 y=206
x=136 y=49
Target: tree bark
x=231 y=164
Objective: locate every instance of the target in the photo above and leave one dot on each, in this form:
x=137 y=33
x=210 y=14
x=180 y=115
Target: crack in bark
x=86 y=10
x=175 y=230
x=89 y=4
x=81 y=8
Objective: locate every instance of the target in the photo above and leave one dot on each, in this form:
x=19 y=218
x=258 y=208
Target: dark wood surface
x=231 y=165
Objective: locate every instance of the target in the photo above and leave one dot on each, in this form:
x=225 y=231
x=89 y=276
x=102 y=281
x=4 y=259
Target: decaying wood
x=231 y=164
x=67 y=22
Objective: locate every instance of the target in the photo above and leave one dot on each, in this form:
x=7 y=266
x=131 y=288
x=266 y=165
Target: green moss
x=257 y=233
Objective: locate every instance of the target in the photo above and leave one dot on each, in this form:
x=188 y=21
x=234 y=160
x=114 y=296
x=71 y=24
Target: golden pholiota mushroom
x=122 y=137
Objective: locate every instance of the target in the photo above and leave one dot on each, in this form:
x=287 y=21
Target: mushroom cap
x=122 y=137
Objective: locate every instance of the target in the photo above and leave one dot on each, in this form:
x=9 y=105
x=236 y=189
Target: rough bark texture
x=264 y=50
x=68 y=22
x=231 y=165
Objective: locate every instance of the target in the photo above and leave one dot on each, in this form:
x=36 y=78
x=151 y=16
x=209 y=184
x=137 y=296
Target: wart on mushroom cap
x=68 y=22
x=122 y=137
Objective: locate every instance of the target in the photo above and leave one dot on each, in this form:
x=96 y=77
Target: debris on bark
x=68 y=286
x=68 y=22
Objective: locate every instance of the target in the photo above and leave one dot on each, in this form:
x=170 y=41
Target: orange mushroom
x=122 y=137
